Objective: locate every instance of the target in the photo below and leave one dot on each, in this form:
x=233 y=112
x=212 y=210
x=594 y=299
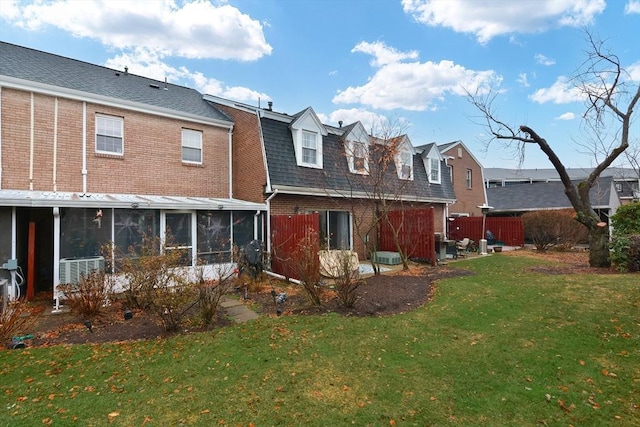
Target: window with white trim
x=434 y=171
x=109 y=134
x=406 y=165
x=192 y=146
x=309 y=147
x=469 y=178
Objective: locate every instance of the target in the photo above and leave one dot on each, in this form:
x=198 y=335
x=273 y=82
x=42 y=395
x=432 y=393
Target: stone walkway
x=238 y=310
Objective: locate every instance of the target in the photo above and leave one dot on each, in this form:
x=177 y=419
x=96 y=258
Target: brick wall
x=249 y=174
x=151 y=163
x=468 y=198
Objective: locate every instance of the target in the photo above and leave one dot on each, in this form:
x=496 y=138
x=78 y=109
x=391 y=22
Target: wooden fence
x=510 y=230
x=287 y=231
x=416 y=228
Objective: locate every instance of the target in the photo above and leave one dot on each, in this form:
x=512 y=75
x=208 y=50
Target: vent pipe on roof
x=340 y=123
x=126 y=70
x=165 y=83
x=270 y=105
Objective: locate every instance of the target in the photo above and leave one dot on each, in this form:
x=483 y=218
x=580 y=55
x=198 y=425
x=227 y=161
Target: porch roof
x=25 y=198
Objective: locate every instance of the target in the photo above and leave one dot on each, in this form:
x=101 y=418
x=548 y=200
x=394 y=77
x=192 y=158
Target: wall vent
x=72 y=269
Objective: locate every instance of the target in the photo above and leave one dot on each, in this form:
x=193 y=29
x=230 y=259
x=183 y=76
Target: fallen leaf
x=582 y=362
x=112 y=415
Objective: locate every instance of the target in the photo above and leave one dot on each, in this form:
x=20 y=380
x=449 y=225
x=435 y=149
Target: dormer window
x=356 y=148
x=309 y=147
x=406 y=165
x=307 y=132
x=434 y=171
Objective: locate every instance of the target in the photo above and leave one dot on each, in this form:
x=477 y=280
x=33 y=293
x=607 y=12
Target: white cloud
x=369 y=119
x=541 y=59
x=634 y=71
x=414 y=85
x=9 y=10
x=566 y=116
x=522 y=79
x=196 y=29
x=633 y=6
x=561 y=92
x=150 y=64
x=383 y=54
x=486 y=20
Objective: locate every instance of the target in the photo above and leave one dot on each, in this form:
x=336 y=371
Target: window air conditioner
x=72 y=269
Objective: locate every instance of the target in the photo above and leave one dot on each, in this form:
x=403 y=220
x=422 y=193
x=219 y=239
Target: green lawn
x=503 y=347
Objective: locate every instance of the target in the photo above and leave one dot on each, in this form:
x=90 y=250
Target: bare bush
x=90 y=294
x=307 y=266
x=210 y=292
x=347 y=279
x=14 y=319
x=553 y=229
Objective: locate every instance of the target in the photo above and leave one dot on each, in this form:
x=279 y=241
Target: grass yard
x=508 y=346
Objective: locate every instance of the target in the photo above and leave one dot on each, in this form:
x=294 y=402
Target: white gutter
x=230 y=163
x=268 y=202
x=0 y=138
x=281 y=277
x=84 y=148
x=264 y=153
x=31 y=142
x=55 y=146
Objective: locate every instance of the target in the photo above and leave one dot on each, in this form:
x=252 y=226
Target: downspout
x=0 y=138
x=84 y=148
x=268 y=202
x=256 y=217
x=31 y=142
x=230 y=163
x=56 y=259
x=55 y=146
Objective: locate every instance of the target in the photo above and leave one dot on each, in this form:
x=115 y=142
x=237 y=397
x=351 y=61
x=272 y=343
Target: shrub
x=625 y=244
x=553 y=228
x=210 y=292
x=347 y=279
x=307 y=266
x=90 y=294
x=14 y=319
x=155 y=282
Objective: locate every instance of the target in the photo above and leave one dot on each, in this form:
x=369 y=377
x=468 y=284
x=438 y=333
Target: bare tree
x=610 y=98
x=377 y=190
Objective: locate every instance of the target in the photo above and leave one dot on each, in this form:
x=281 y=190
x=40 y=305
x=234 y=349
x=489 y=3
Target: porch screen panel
x=242 y=228
x=178 y=228
x=84 y=232
x=130 y=226
x=214 y=236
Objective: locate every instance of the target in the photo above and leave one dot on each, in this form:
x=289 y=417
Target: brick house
x=296 y=164
x=467 y=175
x=91 y=155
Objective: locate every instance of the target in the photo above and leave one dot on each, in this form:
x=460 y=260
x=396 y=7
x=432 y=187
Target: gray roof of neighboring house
x=498 y=174
x=543 y=195
x=335 y=176
x=23 y=63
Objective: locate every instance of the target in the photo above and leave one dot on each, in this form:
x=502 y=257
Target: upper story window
x=406 y=165
x=191 y=146
x=434 y=171
x=309 y=147
x=360 y=157
x=469 y=178
x=109 y=135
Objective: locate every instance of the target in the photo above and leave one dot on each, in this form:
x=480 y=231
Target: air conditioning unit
x=386 y=257
x=72 y=269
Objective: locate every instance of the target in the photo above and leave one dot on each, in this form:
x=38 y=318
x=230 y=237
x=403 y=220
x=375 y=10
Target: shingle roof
x=496 y=174
x=44 y=68
x=335 y=176
x=543 y=195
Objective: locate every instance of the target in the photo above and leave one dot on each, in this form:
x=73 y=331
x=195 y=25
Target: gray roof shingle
x=44 y=68
x=335 y=175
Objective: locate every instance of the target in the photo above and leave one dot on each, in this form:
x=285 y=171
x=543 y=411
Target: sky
x=399 y=66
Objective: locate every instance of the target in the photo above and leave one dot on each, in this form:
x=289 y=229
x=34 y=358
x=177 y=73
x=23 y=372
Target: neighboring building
x=626 y=180
x=514 y=200
x=297 y=164
x=467 y=175
x=91 y=155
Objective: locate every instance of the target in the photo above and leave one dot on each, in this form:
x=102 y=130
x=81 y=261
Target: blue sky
x=401 y=65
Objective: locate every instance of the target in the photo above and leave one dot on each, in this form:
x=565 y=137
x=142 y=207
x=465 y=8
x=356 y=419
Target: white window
x=406 y=165
x=191 y=146
x=434 y=171
x=109 y=138
x=309 y=147
x=469 y=176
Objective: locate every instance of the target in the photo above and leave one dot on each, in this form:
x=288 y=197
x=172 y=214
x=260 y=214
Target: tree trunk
x=599 y=255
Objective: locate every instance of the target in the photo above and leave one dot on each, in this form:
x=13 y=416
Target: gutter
x=268 y=202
